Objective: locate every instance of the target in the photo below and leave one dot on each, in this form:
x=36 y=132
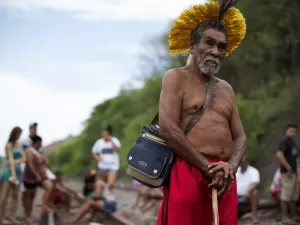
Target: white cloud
x=108 y=9
x=59 y=113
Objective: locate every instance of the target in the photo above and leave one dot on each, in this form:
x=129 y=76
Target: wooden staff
x=215 y=206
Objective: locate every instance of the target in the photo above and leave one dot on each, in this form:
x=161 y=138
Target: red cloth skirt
x=187 y=200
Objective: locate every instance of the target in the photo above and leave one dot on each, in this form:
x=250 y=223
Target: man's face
x=291 y=132
x=210 y=51
x=38 y=145
x=106 y=135
x=33 y=130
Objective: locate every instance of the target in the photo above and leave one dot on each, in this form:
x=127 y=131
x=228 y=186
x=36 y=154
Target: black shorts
x=31 y=185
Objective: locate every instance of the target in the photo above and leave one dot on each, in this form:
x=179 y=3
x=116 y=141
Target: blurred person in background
x=89 y=184
x=106 y=152
x=35 y=175
x=101 y=200
x=275 y=188
x=141 y=190
x=12 y=175
x=248 y=179
x=25 y=143
x=32 y=132
x=62 y=194
x=288 y=154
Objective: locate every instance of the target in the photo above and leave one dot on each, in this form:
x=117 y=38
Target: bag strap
x=208 y=97
x=155 y=119
x=196 y=117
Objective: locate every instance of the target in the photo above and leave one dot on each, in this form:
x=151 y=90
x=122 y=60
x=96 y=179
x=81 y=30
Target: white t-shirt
x=246 y=179
x=110 y=158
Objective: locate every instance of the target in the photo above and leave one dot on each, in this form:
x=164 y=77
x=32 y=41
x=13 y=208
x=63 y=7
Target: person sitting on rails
x=102 y=200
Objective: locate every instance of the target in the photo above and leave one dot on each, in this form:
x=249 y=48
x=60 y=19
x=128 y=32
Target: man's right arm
x=169 y=119
x=280 y=155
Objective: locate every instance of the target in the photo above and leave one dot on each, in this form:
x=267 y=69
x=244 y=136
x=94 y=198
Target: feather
x=224 y=6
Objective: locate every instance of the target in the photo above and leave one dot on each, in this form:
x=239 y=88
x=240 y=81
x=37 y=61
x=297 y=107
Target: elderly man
x=248 y=178
x=212 y=151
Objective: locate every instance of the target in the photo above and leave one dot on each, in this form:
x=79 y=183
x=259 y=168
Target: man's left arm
x=238 y=136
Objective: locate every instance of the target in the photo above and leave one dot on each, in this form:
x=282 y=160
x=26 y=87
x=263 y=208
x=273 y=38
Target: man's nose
x=215 y=52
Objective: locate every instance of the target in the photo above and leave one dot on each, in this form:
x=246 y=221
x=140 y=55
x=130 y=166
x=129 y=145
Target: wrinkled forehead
x=215 y=35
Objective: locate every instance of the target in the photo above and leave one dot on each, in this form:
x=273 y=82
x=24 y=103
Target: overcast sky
x=59 y=58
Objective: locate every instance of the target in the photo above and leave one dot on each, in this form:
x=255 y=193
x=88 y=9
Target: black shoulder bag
x=150 y=160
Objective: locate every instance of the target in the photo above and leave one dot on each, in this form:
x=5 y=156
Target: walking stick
x=215 y=206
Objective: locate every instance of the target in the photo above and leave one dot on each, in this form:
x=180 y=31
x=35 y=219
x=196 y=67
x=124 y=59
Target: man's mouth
x=211 y=61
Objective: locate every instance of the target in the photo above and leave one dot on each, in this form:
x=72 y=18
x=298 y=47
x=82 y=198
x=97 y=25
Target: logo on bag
x=143 y=164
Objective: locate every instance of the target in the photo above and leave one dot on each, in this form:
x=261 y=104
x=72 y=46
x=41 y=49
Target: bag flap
x=145 y=161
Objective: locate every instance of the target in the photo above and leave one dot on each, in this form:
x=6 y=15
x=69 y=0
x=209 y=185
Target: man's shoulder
x=224 y=84
x=175 y=74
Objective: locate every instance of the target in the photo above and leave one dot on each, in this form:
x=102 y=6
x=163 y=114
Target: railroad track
x=126 y=197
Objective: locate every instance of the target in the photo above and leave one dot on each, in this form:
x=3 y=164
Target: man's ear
x=192 y=49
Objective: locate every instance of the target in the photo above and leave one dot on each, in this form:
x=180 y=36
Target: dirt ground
x=125 y=200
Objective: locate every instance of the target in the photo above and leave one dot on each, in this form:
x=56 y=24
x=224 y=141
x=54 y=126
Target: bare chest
x=220 y=107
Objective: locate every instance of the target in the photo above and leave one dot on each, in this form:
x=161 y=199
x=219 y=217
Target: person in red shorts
x=208 y=157
x=63 y=195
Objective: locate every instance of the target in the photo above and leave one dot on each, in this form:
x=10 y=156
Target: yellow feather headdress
x=191 y=19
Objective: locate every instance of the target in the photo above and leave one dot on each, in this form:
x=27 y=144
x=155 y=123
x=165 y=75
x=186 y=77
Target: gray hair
x=189 y=59
x=197 y=34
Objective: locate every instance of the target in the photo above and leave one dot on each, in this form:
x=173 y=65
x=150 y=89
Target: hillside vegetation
x=264 y=72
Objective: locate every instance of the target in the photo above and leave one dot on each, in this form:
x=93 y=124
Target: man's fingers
x=224 y=186
x=232 y=177
x=228 y=186
x=226 y=171
x=214 y=183
x=216 y=169
x=221 y=191
x=220 y=183
x=214 y=164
